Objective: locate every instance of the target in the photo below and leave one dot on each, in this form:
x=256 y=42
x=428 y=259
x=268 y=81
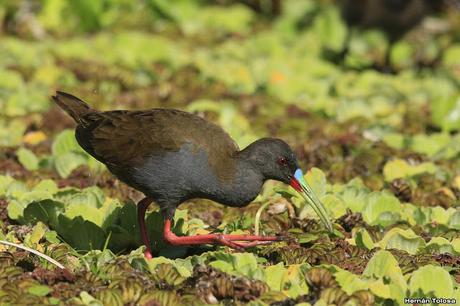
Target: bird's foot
x=243 y=245
x=148 y=254
x=239 y=242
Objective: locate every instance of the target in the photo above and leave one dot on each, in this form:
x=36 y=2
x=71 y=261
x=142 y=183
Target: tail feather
x=73 y=106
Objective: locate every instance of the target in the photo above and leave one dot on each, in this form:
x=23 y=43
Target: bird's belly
x=234 y=195
x=174 y=177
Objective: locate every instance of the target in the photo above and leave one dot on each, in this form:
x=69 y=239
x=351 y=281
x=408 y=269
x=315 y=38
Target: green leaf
x=242 y=264
x=233 y=19
x=32 y=239
x=382 y=264
x=11 y=133
x=274 y=276
x=395 y=140
x=67 y=162
x=454 y=221
x=455 y=243
x=94 y=164
x=5 y=182
x=47 y=186
x=39 y=290
x=383 y=267
x=355 y=198
x=27 y=158
x=203 y=106
x=429 y=144
x=89 y=237
x=401 y=239
x=402 y=54
x=363 y=239
x=350 y=282
x=294 y=281
x=89 y=13
x=65 y=142
x=441 y=245
x=382 y=209
x=125 y=228
x=398 y=168
x=335 y=205
x=89 y=300
x=317 y=181
x=183 y=267
x=91 y=196
x=330 y=29
x=432 y=281
x=441 y=215
x=46 y=211
x=452 y=55
x=16 y=209
x=51 y=237
x=97 y=216
x=446 y=112
x=16 y=190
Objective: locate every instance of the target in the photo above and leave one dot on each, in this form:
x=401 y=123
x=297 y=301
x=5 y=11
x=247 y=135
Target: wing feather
x=124 y=139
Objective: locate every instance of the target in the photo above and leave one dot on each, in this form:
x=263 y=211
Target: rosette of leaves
x=167 y=276
x=166 y=298
x=213 y=285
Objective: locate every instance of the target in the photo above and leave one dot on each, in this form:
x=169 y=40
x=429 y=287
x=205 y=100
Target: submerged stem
x=257 y=218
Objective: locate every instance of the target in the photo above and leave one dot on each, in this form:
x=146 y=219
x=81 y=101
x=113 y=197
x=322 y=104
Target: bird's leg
x=141 y=208
x=227 y=240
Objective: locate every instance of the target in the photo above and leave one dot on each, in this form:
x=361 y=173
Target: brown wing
x=125 y=138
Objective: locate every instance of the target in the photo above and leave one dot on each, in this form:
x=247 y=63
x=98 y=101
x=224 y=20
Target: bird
x=394 y=17
x=172 y=156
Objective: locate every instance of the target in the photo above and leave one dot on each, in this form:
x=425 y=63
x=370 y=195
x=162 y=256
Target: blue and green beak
x=302 y=187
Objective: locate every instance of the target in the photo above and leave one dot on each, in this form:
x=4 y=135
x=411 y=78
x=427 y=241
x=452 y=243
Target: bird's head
x=274 y=159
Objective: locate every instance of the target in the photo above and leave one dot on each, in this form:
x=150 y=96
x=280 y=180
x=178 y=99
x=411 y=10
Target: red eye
x=282 y=161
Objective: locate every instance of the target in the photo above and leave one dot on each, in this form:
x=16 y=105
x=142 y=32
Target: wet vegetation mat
x=381 y=145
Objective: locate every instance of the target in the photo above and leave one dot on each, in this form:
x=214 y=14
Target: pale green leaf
x=382 y=209
x=39 y=290
x=350 y=282
x=398 y=168
x=431 y=280
x=401 y=239
x=28 y=159
x=67 y=162
x=363 y=239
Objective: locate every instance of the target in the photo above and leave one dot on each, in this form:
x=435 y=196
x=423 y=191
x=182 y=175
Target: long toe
x=253 y=243
x=234 y=245
x=233 y=237
x=148 y=255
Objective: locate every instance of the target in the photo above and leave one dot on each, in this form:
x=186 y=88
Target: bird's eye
x=282 y=161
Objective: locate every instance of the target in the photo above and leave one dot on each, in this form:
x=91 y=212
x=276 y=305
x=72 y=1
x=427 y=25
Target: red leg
x=141 y=208
x=227 y=240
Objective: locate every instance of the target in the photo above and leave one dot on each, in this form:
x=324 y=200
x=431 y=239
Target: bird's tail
x=73 y=106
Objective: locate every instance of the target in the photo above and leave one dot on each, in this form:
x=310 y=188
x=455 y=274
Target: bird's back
x=124 y=139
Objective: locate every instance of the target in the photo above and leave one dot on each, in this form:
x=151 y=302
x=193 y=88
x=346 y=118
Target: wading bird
x=173 y=156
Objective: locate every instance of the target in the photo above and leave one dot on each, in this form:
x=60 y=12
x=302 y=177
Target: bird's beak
x=301 y=186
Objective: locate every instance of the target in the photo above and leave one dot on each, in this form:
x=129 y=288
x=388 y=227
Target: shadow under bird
x=173 y=156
